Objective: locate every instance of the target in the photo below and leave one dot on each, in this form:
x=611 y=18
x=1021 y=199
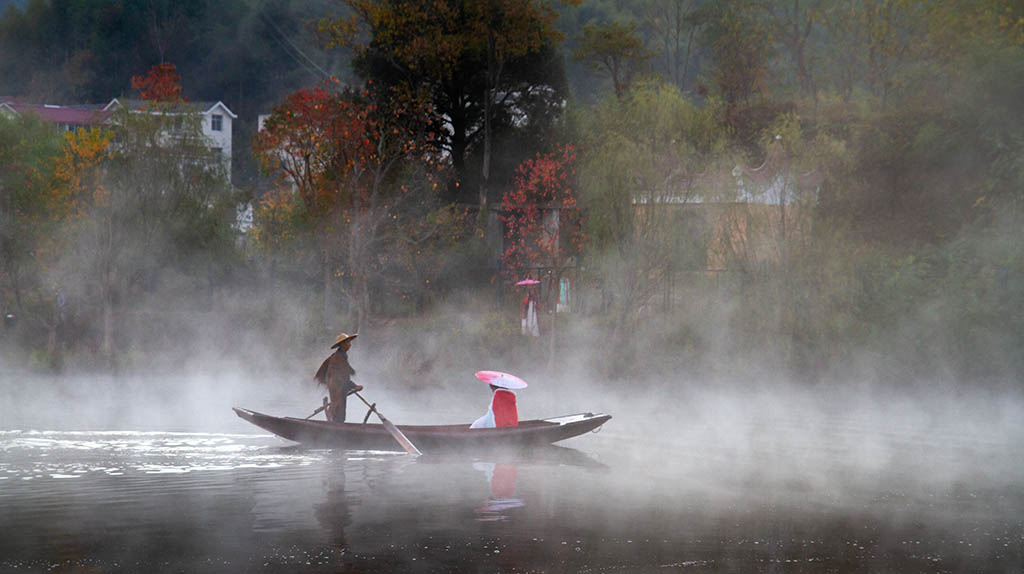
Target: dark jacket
x=336 y=374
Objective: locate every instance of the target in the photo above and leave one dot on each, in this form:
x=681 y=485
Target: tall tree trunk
x=459 y=144
x=488 y=111
x=356 y=267
x=16 y=287
x=51 y=333
x=108 y=325
x=494 y=67
x=686 y=60
x=107 y=288
x=328 y=299
x=551 y=343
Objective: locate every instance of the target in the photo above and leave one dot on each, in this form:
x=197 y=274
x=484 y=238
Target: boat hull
x=370 y=436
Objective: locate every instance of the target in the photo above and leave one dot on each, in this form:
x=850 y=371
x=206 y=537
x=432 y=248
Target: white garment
x=484 y=422
x=487 y=421
x=529 y=324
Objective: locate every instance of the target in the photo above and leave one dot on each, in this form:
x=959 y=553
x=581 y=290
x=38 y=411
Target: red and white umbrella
x=499 y=379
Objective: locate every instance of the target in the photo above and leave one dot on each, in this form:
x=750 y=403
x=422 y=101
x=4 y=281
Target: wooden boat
x=437 y=438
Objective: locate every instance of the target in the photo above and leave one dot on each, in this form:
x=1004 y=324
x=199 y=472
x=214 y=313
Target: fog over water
x=739 y=469
x=788 y=265
x=157 y=473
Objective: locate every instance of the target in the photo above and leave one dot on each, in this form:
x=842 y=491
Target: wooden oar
x=395 y=433
x=326 y=404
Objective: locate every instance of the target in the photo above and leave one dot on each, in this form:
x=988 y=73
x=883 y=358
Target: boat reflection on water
x=501 y=469
x=502 y=478
x=335 y=514
x=372 y=492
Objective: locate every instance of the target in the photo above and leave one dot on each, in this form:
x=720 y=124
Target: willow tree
x=642 y=161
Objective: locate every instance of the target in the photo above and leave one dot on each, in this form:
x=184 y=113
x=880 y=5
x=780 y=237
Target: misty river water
x=799 y=499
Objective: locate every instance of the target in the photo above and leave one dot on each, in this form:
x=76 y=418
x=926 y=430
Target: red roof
x=63 y=114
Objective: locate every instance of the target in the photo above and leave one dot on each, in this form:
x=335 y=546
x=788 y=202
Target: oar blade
x=399 y=436
x=396 y=434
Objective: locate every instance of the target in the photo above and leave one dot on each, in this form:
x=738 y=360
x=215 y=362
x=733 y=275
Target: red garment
x=503 y=481
x=504 y=407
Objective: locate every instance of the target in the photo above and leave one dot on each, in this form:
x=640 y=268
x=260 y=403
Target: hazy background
x=782 y=208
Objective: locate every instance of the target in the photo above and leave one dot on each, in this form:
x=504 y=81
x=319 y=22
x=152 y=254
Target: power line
x=281 y=36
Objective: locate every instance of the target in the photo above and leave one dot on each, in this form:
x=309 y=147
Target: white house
x=216 y=118
x=216 y=121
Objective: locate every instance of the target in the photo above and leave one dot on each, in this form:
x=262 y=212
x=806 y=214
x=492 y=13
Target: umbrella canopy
x=499 y=379
x=527 y=282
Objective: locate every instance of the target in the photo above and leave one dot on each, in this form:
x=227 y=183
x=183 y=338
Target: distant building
x=68 y=118
x=738 y=221
x=216 y=118
x=216 y=121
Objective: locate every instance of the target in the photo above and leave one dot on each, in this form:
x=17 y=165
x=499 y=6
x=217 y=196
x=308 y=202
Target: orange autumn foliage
x=77 y=171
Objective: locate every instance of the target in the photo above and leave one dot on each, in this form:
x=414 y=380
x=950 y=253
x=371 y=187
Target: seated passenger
x=502 y=411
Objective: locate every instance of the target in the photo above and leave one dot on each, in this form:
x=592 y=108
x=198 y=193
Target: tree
x=613 y=50
x=161 y=84
x=543 y=227
x=314 y=143
x=344 y=157
x=643 y=161
x=673 y=24
x=150 y=201
x=78 y=173
x=739 y=41
x=476 y=63
x=792 y=23
x=28 y=209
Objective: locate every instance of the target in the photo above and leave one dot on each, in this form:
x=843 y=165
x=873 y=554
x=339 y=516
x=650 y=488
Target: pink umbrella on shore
x=499 y=379
x=527 y=282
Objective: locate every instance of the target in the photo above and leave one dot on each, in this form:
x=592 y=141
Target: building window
x=217 y=122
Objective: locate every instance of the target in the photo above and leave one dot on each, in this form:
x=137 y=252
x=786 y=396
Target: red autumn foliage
x=333 y=148
x=542 y=224
x=313 y=140
x=161 y=84
x=340 y=157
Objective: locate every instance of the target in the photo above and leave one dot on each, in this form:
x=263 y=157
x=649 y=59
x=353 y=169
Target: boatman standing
x=502 y=411
x=336 y=374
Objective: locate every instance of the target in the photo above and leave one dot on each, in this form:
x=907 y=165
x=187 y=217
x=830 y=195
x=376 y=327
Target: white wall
x=219 y=139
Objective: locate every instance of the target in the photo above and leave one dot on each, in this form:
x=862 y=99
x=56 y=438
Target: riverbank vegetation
x=811 y=189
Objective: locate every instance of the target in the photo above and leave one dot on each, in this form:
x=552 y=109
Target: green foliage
x=27 y=152
x=740 y=43
x=613 y=51
x=649 y=147
x=812 y=185
x=489 y=71
x=156 y=223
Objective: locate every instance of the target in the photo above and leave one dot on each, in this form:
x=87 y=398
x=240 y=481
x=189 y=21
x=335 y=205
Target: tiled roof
x=71 y=115
x=181 y=107
x=95 y=114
